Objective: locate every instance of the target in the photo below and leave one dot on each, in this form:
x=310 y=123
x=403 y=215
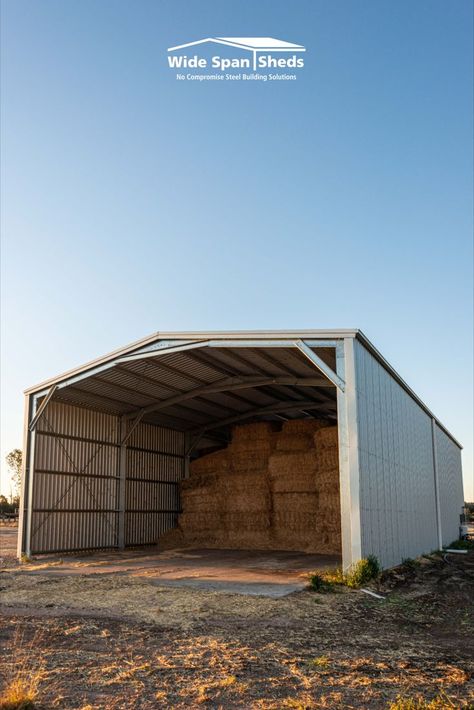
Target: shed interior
x=216 y=444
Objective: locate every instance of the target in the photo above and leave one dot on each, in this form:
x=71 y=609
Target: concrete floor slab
x=271 y=573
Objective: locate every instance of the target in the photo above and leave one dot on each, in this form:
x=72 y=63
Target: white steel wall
x=451 y=494
x=398 y=515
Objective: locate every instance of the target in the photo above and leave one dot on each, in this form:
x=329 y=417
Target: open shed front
x=108 y=446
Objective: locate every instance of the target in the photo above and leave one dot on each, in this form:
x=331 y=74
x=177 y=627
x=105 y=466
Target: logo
x=232 y=57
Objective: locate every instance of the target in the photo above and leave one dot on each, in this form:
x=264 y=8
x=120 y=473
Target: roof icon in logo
x=252 y=44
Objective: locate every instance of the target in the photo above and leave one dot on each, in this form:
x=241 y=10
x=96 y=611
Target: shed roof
x=202 y=380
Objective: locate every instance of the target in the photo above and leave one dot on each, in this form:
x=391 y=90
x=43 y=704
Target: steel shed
x=107 y=444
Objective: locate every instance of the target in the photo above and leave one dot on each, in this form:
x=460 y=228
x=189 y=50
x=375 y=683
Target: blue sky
x=132 y=202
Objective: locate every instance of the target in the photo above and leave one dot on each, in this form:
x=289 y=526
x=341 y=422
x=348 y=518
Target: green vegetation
x=462 y=545
x=14 y=462
x=318 y=583
x=362 y=572
x=359 y=574
x=410 y=564
x=9 y=507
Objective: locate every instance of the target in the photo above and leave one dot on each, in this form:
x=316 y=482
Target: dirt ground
x=115 y=640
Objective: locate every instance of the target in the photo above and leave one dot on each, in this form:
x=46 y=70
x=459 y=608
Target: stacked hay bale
x=226 y=500
x=300 y=482
x=246 y=495
x=266 y=490
x=327 y=476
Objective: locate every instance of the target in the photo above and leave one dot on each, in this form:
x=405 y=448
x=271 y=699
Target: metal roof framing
x=174 y=343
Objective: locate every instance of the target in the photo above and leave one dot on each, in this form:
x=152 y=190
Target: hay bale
x=326 y=438
x=288 y=520
x=197 y=480
x=235 y=522
x=172 y=538
x=251 y=445
x=329 y=499
x=202 y=503
x=327 y=459
x=303 y=426
x=288 y=464
x=211 y=463
x=333 y=529
x=295 y=502
x=197 y=491
x=249 y=461
x=248 y=539
x=267 y=490
x=242 y=502
x=328 y=481
x=236 y=481
x=194 y=521
x=294 y=442
x=297 y=483
x=253 y=432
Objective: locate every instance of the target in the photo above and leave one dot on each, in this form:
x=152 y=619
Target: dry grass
x=440 y=702
x=320 y=662
x=113 y=642
x=24 y=673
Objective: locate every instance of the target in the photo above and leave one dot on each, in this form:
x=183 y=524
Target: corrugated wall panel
x=451 y=494
x=157 y=439
x=154 y=465
x=80 y=422
x=75 y=480
x=397 y=489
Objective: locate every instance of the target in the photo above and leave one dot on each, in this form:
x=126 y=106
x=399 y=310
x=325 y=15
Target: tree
x=14 y=459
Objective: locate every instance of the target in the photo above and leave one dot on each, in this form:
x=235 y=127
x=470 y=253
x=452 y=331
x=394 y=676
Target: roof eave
x=193 y=335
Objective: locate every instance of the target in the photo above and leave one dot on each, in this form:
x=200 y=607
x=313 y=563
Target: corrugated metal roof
x=195 y=335
x=132 y=385
x=108 y=386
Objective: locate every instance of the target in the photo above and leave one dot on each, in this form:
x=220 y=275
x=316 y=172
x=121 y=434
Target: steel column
x=436 y=484
x=348 y=455
x=24 y=503
x=122 y=472
x=29 y=479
